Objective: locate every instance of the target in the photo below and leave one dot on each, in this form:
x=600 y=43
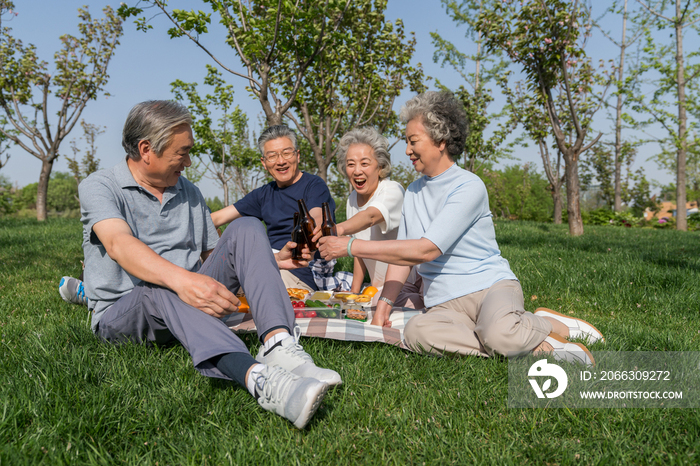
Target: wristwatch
x=387 y=300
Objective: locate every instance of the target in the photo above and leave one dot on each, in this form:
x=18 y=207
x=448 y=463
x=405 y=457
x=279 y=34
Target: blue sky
x=146 y=64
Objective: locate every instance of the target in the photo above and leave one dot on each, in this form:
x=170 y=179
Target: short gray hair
x=443 y=117
x=276 y=132
x=153 y=121
x=371 y=137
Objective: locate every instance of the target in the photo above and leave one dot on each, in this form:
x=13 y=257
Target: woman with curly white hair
x=474 y=301
x=373 y=209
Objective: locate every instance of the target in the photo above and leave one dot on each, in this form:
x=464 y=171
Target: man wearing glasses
x=276 y=202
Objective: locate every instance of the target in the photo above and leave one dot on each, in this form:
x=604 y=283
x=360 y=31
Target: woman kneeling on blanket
x=474 y=302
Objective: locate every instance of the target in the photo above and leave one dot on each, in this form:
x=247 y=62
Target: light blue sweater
x=452 y=210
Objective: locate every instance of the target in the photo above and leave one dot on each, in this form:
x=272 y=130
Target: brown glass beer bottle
x=299 y=238
x=328 y=226
x=308 y=224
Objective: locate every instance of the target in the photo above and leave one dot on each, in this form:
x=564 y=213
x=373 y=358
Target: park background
x=145 y=64
x=66 y=398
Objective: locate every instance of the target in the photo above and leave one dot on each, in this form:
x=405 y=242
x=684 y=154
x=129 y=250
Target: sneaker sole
x=311 y=407
x=331 y=382
x=545 y=311
x=564 y=341
x=60 y=290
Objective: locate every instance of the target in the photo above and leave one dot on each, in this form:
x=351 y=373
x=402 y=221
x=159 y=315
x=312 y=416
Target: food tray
x=321 y=312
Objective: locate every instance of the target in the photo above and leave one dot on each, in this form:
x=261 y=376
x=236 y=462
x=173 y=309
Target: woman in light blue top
x=474 y=301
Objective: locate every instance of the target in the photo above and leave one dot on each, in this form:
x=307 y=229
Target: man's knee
x=241 y=227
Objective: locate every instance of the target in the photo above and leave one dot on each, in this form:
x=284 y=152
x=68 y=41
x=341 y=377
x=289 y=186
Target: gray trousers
x=153 y=314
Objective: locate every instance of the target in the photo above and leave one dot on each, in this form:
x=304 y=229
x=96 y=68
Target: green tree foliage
x=6 y=196
x=404 y=174
x=667 y=159
x=62 y=196
x=328 y=66
x=89 y=163
x=546 y=39
x=224 y=141
x=517 y=192
x=676 y=89
x=476 y=97
x=635 y=190
x=275 y=40
x=355 y=81
x=214 y=204
x=625 y=84
x=4 y=144
x=532 y=116
x=598 y=168
x=27 y=86
x=640 y=197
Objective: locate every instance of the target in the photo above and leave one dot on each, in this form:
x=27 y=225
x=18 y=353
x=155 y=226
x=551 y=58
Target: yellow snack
x=344 y=296
x=297 y=294
x=321 y=295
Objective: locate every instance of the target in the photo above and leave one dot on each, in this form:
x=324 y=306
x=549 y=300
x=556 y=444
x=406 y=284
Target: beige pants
x=291 y=281
x=484 y=323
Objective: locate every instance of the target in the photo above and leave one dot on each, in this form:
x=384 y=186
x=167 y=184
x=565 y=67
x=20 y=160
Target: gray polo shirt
x=179 y=229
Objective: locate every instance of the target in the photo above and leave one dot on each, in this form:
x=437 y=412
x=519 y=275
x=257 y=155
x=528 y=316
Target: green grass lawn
x=66 y=398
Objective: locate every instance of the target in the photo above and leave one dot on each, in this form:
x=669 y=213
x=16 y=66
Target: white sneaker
x=577 y=328
x=564 y=350
x=289 y=355
x=294 y=398
x=72 y=291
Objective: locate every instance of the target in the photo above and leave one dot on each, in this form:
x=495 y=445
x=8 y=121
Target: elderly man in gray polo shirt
x=156 y=270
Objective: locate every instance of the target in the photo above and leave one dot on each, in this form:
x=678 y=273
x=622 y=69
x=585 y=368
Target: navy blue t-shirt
x=276 y=206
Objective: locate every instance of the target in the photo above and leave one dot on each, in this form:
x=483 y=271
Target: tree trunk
x=681 y=214
x=526 y=189
x=43 y=189
x=225 y=186
x=274 y=119
x=556 y=197
x=318 y=149
x=322 y=169
x=573 y=206
x=617 y=205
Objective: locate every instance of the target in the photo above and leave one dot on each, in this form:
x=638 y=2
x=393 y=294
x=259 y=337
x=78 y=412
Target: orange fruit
x=370 y=291
x=243 y=307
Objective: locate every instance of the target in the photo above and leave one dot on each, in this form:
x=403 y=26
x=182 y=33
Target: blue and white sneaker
x=72 y=291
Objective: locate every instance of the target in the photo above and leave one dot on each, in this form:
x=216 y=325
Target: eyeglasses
x=287 y=154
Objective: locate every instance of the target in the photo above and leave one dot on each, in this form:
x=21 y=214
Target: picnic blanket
x=341 y=329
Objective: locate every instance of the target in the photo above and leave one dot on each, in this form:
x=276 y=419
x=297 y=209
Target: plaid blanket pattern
x=325 y=279
x=341 y=329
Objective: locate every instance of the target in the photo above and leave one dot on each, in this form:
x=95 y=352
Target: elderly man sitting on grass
x=156 y=270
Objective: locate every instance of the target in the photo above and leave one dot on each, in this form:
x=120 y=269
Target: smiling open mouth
x=360 y=183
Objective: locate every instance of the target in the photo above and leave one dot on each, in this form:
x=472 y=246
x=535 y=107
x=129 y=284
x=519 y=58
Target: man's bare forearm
x=143 y=263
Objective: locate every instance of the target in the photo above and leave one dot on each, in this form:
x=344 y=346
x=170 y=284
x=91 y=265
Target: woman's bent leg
x=447 y=328
x=504 y=326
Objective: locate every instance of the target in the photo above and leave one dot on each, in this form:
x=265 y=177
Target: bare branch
x=653 y=12
x=572 y=108
x=277 y=30
x=591 y=144
x=201 y=46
